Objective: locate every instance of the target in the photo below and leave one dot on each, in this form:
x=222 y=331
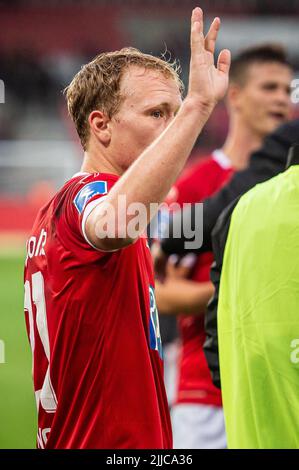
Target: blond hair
x=97 y=84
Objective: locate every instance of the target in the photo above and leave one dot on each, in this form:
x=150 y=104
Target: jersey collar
x=222 y=159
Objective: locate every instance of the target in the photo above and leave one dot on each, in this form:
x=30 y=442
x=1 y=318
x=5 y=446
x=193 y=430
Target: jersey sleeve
x=82 y=196
x=86 y=199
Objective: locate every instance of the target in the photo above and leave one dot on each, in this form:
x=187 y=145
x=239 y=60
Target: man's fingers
x=197 y=16
x=224 y=60
x=197 y=36
x=211 y=37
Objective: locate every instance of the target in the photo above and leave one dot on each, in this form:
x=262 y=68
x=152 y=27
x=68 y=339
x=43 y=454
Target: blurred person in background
x=258 y=101
x=89 y=294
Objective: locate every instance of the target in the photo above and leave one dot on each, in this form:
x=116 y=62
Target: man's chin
x=273 y=124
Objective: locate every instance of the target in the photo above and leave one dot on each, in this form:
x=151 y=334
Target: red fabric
x=64 y=29
x=105 y=368
x=195 y=383
x=16 y=215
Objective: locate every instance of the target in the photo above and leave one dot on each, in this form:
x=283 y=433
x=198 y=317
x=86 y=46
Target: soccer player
x=258 y=101
x=89 y=287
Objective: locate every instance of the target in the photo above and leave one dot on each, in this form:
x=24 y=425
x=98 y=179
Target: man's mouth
x=278 y=115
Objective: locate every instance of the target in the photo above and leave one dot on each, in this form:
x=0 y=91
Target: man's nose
x=171 y=117
x=167 y=121
x=283 y=97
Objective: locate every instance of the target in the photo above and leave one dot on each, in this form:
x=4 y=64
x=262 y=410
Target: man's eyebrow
x=163 y=104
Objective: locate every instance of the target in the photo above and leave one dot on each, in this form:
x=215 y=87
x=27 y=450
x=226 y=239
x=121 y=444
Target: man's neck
x=239 y=145
x=96 y=163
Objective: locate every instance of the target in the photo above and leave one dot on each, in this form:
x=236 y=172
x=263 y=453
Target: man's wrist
x=199 y=106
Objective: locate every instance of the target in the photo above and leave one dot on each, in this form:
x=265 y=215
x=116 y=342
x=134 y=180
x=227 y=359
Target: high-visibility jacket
x=258 y=317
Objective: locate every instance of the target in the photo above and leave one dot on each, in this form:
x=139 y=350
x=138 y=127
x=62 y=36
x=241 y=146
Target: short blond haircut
x=97 y=84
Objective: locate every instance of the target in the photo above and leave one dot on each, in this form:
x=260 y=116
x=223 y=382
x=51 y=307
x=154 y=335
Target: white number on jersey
x=46 y=395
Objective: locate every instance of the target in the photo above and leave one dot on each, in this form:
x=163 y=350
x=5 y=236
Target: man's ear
x=99 y=126
x=233 y=96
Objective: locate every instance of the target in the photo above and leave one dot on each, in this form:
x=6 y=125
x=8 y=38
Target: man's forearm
x=151 y=176
x=153 y=173
x=177 y=296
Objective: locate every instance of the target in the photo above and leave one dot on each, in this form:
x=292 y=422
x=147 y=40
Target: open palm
x=207 y=83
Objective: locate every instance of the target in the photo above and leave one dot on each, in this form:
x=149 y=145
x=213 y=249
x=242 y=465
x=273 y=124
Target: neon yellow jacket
x=258 y=317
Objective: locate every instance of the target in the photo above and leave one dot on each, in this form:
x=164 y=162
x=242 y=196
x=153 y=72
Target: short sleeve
x=87 y=198
x=80 y=197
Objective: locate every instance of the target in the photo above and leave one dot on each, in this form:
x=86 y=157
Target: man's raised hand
x=207 y=83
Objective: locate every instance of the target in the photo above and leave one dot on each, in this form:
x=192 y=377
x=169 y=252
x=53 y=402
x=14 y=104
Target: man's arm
x=264 y=164
x=219 y=237
x=179 y=294
x=183 y=296
x=151 y=176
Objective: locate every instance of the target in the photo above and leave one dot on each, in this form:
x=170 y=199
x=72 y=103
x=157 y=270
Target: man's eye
x=269 y=86
x=157 y=113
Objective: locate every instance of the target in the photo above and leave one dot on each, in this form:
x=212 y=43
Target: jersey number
x=45 y=396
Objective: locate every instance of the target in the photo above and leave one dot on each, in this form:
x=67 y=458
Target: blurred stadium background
x=42 y=44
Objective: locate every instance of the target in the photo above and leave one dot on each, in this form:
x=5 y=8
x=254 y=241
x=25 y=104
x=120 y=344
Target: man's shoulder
x=203 y=170
x=271 y=199
x=199 y=168
x=100 y=181
x=200 y=180
x=84 y=187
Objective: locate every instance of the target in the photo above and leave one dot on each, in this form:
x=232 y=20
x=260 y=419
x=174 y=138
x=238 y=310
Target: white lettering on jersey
x=42 y=437
x=36 y=247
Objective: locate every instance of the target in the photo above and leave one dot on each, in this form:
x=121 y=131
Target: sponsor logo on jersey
x=88 y=192
x=154 y=328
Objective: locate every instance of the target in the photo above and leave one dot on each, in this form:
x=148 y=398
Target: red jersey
x=195 y=384
x=93 y=326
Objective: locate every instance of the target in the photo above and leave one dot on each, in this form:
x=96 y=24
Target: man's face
x=150 y=103
x=264 y=102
